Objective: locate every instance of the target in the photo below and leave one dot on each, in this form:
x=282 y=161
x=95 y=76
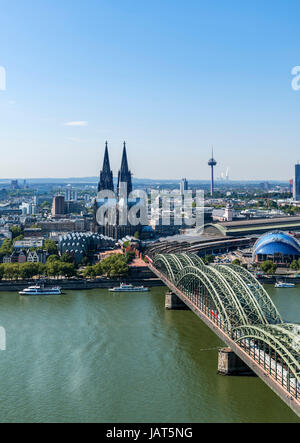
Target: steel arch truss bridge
x=233 y=303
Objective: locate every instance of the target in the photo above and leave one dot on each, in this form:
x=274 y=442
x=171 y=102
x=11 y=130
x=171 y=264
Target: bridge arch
x=192 y=280
x=270 y=311
x=167 y=265
x=239 y=294
x=180 y=260
x=174 y=263
x=230 y=300
x=252 y=309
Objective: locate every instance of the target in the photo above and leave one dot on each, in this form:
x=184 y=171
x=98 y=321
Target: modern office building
x=184 y=186
x=297 y=183
x=14 y=184
x=58 y=206
x=70 y=194
x=28 y=208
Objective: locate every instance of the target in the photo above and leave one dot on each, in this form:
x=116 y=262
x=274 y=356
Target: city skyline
x=221 y=178
x=206 y=74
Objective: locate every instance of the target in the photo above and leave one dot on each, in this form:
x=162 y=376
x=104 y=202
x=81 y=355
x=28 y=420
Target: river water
x=92 y=356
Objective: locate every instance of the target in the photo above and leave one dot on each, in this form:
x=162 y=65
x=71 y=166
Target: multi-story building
x=14 y=184
x=38 y=256
x=14 y=258
x=8 y=211
x=6 y=259
x=5 y=232
x=29 y=243
x=63 y=225
x=73 y=207
x=58 y=206
x=297 y=183
x=80 y=244
x=32 y=232
x=23 y=256
x=184 y=186
x=28 y=208
x=70 y=194
x=3 y=194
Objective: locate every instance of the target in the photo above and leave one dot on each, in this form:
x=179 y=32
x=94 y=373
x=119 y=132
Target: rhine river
x=99 y=357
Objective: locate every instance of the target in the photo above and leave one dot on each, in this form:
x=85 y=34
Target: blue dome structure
x=280 y=247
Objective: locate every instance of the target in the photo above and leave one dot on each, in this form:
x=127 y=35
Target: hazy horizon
x=95 y=179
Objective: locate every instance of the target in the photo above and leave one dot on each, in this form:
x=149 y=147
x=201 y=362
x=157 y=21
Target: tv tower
x=212 y=163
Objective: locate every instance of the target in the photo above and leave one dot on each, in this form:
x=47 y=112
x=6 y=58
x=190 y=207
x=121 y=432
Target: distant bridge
x=239 y=310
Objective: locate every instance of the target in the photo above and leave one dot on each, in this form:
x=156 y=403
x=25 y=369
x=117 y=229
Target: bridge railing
x=273 y=365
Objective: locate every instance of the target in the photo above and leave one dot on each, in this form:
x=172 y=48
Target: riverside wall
x=137 y=277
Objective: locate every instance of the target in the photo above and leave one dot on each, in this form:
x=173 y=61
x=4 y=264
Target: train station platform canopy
x=253 y=226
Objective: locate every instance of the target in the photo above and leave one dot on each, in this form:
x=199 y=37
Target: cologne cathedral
x=112 y=227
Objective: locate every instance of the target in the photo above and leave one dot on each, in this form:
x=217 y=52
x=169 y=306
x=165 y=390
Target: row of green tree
x=116 y=265
x=268 y=267
x=295 y=265
x=16 y=271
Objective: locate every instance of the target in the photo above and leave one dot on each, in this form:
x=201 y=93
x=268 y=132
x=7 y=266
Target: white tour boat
x=282 y=284
x=129 y=288
x=41 y=290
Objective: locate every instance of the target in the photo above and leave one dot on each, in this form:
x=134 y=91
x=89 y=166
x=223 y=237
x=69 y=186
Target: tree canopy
x=16 y=271
x=6 y=247
x=268 y=267
x=51 y=247
x=116 y=265
x=16 y=231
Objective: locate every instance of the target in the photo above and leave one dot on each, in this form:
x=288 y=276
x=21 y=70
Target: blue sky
x=170 y=77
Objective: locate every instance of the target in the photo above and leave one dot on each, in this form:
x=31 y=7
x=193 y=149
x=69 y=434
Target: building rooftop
x=195 y=244
x=262 y=221
x=257 y=226
x=277 y=243
x=29 y=243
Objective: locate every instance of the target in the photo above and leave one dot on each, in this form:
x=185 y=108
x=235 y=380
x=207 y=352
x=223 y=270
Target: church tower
x=115 y=227
x=124 y=176
x=106 y=176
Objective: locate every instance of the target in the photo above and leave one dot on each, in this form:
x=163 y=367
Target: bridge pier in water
x=230 y=364
x=172 y=302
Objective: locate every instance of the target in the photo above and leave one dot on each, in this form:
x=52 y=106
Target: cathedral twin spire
x=124 y=175
x=106 y=176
